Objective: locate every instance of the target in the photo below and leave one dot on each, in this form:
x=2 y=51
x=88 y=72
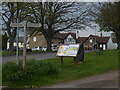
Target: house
x=70 y=38
x=96 y=42
x=38 y=39
x=67 y=38
x=20 y=44
x=111 y=44
x=82 y=40
x=90 y=43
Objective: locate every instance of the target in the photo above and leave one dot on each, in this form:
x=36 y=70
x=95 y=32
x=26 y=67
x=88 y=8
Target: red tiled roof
x=102 y=39
x=60 y=35
x=98 y=39
x=93 y=36
x=73 y=35
x=64 y=35
x=81 y=39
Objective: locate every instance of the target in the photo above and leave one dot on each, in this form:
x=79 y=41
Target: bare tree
x=10 y=11
x=60 y=16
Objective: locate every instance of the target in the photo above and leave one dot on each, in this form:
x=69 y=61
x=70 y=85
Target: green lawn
x=94 y=64
x=6 y=53
x=0 y=75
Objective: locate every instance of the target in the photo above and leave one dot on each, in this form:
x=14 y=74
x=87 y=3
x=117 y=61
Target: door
x=104 y=47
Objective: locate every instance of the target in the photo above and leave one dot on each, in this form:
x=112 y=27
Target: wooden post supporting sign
x=61 y=60
x=25 y=25
x=24 y=47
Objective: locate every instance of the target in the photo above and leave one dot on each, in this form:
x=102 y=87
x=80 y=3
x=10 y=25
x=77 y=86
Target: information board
x=68 y=50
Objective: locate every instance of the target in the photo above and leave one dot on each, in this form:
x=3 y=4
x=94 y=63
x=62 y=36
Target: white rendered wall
x=111 y=45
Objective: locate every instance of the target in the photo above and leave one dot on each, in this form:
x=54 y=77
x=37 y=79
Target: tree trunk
x=118 y=45
x=12 y=36
x=49 y=43
x=11 y=41
x=118 y=40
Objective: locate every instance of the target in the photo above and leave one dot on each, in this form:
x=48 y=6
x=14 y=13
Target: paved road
x=37 y=56
x=106 y=80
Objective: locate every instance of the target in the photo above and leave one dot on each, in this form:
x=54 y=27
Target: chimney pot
x=101 y=34
x=77 y=34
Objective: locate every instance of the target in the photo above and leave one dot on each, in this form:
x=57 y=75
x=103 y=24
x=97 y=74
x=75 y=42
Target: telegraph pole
x=95 y=38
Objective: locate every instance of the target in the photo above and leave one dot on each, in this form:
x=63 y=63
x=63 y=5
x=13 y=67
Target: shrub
x=14 y=72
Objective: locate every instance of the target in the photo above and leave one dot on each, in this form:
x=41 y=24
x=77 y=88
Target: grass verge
x=94 y=64
x=5 y=53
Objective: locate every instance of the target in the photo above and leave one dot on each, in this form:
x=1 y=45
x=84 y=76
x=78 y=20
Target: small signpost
x=25 y=25
x=70 y=50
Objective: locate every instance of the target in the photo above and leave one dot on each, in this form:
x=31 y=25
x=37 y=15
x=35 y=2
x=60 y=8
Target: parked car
x=44 y=48
x=37 y=49
x=54 y=48
x=20 y=49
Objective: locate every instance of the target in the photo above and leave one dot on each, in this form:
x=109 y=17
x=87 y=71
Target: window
x=70 y=39
x=67 y=39
x=19 y=45
x=100 y=45
x=14 y=44
x=34 y=39
x=90 y=40
x=104 y=46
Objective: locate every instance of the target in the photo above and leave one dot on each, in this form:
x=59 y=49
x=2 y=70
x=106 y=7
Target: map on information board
x=68 y=50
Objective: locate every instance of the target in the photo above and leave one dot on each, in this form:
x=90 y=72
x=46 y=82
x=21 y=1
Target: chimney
x=77 y=34
x=101 y=34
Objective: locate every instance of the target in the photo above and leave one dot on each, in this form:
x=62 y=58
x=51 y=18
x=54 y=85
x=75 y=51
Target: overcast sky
x=91 y=31
x=85 y=33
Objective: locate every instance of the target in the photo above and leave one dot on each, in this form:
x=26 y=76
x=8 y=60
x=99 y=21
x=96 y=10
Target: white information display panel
x=68 y=50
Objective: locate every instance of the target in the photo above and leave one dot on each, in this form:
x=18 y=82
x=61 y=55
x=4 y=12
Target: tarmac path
x=105 y=80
